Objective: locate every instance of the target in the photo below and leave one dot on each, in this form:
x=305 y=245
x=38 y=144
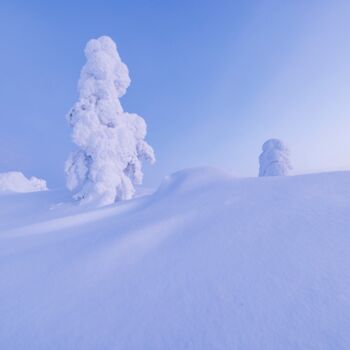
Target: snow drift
x=15 y=181
x=208 y=261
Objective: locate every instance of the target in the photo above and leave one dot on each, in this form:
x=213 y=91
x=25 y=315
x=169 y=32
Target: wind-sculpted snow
x=190 y=180
x=111 y=143
x=15 y=181
x=209 y=261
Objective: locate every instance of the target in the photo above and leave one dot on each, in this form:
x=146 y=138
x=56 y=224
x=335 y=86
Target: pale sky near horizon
x=212 y=79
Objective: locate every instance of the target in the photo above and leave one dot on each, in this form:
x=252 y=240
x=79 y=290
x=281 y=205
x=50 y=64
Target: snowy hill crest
x=208 y=261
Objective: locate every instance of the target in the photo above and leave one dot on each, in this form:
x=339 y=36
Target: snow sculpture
x=111 y=145
x=274 y=159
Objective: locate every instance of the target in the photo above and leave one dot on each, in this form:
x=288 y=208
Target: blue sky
x=213 y=80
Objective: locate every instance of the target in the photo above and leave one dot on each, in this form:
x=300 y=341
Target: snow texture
x=111 y=143
x=15 y=181
x=274 y=159
x=207 y=262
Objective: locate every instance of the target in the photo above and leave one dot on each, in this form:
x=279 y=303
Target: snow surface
x=14 y=181
x=208 y=261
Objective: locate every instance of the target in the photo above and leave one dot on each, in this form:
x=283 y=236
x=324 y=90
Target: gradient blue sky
x=213 y=80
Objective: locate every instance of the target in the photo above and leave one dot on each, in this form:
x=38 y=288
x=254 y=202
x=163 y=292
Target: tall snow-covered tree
x=110 y=142
x=274 y=159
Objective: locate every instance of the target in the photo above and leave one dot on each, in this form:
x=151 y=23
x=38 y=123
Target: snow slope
x=209 y=261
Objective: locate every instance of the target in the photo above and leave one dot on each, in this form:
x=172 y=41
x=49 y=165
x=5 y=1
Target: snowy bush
x=111 y=145
x=274 y=159
x=15 y=181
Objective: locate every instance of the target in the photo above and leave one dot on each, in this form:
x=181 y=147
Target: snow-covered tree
x=111 y=145
x=15 y=181
x=274 y=159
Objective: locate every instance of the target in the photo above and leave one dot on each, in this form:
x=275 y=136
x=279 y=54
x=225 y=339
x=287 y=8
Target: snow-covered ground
x=209 y=261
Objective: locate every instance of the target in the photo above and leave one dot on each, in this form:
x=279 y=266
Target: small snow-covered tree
x=274 y=159
x=111 y=145
x=15 y=181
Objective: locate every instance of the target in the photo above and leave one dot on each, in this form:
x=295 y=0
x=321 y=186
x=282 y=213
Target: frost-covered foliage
x=274 y=159
x=15 y=181
x=111 y=145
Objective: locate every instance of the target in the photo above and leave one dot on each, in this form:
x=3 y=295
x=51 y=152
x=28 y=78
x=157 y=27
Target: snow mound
x=207 y=262
x=15 y=181
x=189 y=180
